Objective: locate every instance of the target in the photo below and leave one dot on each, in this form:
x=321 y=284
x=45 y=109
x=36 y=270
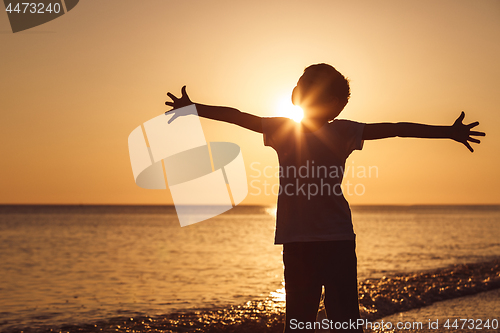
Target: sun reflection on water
x=271 y=211
x=279 y=295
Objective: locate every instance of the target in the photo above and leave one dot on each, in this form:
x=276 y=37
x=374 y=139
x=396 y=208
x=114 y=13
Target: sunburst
x=287 y=109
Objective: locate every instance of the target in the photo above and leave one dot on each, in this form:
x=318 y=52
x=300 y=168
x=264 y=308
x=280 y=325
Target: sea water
x=78 y=264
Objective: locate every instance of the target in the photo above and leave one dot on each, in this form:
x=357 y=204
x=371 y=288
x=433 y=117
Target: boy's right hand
x=178 y=103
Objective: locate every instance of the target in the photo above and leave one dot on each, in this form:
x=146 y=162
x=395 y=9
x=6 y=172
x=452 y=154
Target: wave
x=378 y=298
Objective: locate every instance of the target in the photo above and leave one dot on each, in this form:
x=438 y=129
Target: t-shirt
x=311 y=204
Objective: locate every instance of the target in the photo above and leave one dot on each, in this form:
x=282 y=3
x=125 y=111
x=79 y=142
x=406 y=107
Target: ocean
x=74 y=265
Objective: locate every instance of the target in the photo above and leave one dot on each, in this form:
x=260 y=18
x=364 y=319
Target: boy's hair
x=328 y=83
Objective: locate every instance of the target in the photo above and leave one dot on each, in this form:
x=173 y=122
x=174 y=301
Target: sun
x=287 y=109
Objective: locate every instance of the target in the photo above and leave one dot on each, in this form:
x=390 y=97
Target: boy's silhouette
x=316 y=231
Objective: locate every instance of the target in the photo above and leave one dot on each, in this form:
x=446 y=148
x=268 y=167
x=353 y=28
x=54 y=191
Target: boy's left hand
x=462 y=133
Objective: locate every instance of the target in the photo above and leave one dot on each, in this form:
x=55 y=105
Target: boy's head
x=321 y=91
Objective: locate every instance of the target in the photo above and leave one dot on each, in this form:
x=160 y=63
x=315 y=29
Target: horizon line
x=245 y=205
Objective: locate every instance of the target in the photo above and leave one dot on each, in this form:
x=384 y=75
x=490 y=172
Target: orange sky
x=74 y=88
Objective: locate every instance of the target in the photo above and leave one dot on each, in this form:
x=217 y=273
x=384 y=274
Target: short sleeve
x=351 y=133
x=271 y=127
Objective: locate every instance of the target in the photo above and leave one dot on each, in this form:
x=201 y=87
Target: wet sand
x=388 y=295
x=379 y=298
x=482 y=309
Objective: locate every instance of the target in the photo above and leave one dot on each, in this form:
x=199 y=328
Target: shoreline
x=472 y=313
x=378 y=298
x=402 y=292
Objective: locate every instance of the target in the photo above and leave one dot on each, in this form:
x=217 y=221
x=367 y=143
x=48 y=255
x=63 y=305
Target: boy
x=316 y=230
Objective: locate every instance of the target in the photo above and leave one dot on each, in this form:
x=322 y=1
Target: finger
x=172 y=96
x=169 y=104
x=474 y=124
x=183 y=91
x=468 y=146
x=473 y=140
x=175 y=116
x=477 y=133
x=461 y=117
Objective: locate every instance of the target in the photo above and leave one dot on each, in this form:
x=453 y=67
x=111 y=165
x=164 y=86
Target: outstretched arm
x=458 y=131
x=221 y=113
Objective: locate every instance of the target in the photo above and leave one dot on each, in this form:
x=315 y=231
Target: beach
x=125 y=269
x=482 y=308
x=423 y=298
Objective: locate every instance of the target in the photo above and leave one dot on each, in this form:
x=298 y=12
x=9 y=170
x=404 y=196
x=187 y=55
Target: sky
x=74 y=88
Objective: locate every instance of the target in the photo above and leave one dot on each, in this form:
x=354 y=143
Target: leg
x=341 y=284
x=302 y=285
